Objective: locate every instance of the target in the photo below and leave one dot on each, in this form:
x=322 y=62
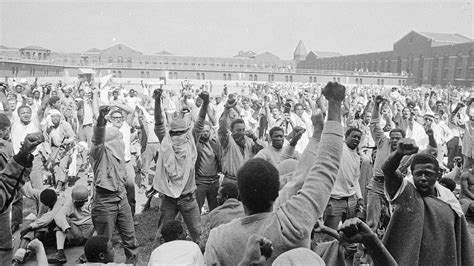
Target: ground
x=145 y=232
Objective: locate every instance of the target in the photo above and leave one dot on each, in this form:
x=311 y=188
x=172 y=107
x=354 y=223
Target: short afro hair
x=171 y=230
x=395 y=130
x=259 y=183
x=48 y=197
x=275 y=129
x=448 y=183
x=94 y=246
x=229 y=190
x=236 y=121
x=352 y=129
x=424 y=158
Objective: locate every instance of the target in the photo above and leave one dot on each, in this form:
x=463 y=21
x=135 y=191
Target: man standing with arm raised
x=290 y=225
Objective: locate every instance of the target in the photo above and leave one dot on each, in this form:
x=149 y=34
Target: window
x=225 y=76
x=286 y=78
x=315 y=79
x=119 y=74
x=129 y=62
x=250 y=77
x=229 y=77
x=203 y=76
x=255 y=78
x=382 y=82
x=360 y=80
x=170 y=75
x=111 y=60
x=198 y=76
x=357 y=80
x=411 y=39
x=291 y=78
x=142 y=74
x=13 y=71
x=176 y=75
x=148 y=74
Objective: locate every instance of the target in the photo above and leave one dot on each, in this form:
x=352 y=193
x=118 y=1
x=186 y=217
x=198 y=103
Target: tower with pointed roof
x=300 y=52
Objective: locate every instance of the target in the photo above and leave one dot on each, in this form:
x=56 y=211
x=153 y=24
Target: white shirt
x=177 y=252
x=127 y=135
x=125 y=129
x=347 y=179
x=19 y=132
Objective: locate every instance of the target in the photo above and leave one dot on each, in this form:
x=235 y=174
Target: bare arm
x=199 y=125
x=465 y=185
x=223 y=132
x=376 y=130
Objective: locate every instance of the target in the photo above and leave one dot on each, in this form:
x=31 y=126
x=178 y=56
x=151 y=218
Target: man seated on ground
x=427 y=224
x=176 y=249
x=42 y=227
x=290 y=225
x=230 y=207
x=74 y=223
x=275 y=153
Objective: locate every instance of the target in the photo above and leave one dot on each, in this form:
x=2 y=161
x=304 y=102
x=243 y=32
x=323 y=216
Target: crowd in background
x=287 y=173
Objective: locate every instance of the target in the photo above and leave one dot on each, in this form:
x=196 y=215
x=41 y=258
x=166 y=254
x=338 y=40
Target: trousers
x=207 y=190
x=187 y=206
x=110 y=211
x=130 y=186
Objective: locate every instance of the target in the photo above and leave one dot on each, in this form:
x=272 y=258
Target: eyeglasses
x=117 y=118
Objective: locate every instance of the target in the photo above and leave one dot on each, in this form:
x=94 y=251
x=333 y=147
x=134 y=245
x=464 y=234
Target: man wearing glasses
x=175 y=168
x=119 y=122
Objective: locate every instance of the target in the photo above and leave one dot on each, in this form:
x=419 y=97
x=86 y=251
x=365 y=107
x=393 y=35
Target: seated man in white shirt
x=176 y=250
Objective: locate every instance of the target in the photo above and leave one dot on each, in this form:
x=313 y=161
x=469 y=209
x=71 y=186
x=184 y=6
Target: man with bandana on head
x=175 y=168
x=60 y=137
x=239 y=146
x=110 y=207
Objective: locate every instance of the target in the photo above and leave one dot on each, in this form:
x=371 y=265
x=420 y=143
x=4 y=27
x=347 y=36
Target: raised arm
x=98 y=135
x=199 y=125
x=376 y=130
x=393 y=177
x=223 y=131
x=304 y=209
x=160 y=129
x=16 y=172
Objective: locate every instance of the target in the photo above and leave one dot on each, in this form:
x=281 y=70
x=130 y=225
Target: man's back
x=230 y=210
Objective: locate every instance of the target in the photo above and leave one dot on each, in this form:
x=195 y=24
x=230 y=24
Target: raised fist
x=407 y=147
x=104 y=110
x=204 y=96
x=251 y=135
x=318 y=121
x=31 y=141
x=378 y=99
x=297 y=133
x=231 y=102
x=334 y=92
x=157 y=93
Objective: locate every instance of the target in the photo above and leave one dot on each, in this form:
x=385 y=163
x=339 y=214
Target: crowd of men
x=320 y=174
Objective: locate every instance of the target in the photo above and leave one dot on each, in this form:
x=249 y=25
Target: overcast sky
x=224 y=28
